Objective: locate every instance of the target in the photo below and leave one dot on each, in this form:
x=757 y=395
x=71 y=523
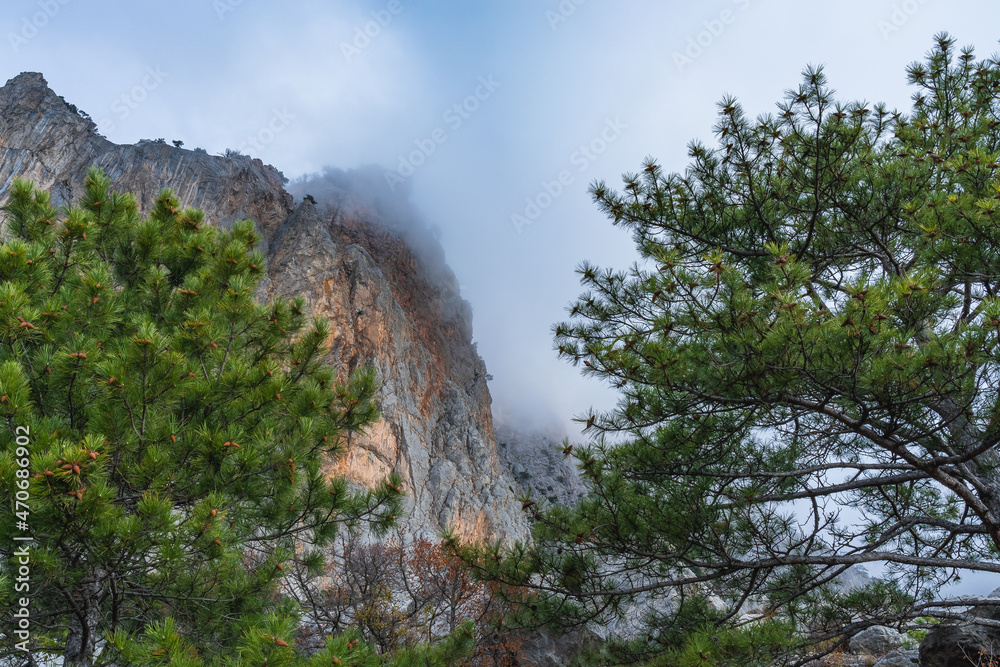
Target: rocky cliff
x=392 y=304
x=537 y=464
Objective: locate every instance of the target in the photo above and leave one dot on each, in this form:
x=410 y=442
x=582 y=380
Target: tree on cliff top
x=168 y=433
x=808 y=357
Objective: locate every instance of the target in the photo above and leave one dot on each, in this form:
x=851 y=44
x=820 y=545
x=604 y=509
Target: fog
x=491 y=118
x=363 y=194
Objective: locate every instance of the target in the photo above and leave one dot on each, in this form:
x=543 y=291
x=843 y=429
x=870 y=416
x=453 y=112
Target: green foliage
x=750 y=646
x=917 y=634
x=349 y=650
x=178 y=430
x=807 y=359
x=263 y=645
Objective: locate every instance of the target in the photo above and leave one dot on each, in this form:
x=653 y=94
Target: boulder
x=876 y=640
x=899 y=658
x=963 y=643
x=958 y=645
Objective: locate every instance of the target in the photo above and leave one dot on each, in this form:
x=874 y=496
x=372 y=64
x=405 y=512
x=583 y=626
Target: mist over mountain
x=361 y=197
x=363 y=193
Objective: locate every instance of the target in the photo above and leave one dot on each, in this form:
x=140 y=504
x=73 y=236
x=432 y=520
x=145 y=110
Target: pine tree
x=175 y=433
x=807 y=357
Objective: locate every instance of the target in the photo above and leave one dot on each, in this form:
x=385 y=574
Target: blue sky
x=624 y=79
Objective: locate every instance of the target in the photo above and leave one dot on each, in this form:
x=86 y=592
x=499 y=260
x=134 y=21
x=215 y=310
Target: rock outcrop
x=44 y=139
x=542 y=649
x=538 y=465
x=953 y=644
x=877 y=640
x=899 y=658
x=390 y=305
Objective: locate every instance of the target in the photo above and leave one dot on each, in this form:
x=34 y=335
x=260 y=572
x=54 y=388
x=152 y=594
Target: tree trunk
x=81 y=644
x=984 y=468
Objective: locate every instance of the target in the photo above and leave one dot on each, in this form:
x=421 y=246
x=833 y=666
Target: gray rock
x=535 y=456
x=541 y=649
x=964 y=643
x=855 y=577
x=956 y=645
x=876 y=640
x=841 y=660
x=42 y=139
x=899 y=659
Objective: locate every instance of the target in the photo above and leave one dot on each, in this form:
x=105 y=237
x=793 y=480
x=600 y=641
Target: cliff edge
x=391 y=305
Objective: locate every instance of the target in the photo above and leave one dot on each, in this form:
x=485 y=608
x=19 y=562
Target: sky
x=496 y=114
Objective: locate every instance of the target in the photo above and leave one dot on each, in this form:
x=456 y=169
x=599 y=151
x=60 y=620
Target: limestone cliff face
x=436 y=428
x=391 y=306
